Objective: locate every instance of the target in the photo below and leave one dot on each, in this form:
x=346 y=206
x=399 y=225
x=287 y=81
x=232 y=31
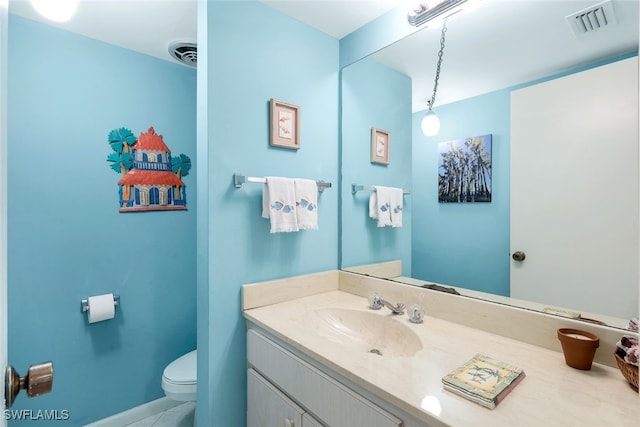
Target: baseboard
x=136 y=414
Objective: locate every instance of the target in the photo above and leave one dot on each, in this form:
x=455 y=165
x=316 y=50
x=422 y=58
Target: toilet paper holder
x=84 y=304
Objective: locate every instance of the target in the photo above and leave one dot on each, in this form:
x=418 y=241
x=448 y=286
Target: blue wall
x=374 y=95
x=463 y=244
x=66 y=238
x=254 y=53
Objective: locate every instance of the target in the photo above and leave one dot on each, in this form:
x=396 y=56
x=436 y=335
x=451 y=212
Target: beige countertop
x=552 y=394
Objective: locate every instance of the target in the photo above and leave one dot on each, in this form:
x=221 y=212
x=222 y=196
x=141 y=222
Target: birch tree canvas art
x=464 y=170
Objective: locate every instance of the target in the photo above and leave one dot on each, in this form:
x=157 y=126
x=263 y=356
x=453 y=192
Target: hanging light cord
x=435 y=86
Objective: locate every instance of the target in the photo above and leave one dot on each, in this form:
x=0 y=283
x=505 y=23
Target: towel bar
x=239 y=179
x=355 y=188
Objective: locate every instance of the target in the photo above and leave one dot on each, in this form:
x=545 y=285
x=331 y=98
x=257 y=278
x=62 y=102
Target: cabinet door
x=332 y=402
x=309 y=421
x=267 y=406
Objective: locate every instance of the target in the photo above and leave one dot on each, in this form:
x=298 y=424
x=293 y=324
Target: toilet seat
x=179 y=379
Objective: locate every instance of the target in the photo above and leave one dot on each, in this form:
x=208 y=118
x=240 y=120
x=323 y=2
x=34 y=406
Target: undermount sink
x=371 y=332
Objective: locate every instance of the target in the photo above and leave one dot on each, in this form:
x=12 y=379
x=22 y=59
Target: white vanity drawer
x=328 y=400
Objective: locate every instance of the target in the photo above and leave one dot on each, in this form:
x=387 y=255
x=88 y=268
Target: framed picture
x=465 y=170
x=380 y=140
x=285 y=125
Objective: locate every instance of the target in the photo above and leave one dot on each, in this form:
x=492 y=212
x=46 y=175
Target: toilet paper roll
x=101 y=308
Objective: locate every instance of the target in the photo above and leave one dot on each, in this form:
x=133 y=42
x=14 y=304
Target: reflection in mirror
x=374 y=96
x=483 y=90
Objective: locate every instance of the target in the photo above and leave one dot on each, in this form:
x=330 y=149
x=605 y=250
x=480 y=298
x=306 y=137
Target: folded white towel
x=396 y=201
x=306 y=203
x=279 y=204
x=386 y=205
x=379 y=205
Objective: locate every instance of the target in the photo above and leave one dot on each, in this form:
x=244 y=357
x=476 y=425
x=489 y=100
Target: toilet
x=179 y=379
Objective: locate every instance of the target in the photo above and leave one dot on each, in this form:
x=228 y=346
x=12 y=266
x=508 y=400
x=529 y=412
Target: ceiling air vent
x=592 y=19
x=187 y=53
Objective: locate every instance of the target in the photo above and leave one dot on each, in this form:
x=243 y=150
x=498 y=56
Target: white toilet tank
x=179 y=380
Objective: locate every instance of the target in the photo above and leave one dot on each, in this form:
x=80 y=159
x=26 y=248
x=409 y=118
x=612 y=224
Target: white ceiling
x=499 y=44
x=146 y=26
x=502 y=43
x=149 y=26
x=334 y=17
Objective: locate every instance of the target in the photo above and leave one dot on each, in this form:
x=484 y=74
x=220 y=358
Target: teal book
x=483 y=380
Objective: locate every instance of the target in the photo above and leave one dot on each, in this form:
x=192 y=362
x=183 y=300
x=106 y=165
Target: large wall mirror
x=497 y=59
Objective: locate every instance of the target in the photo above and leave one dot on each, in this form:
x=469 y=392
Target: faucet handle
x=375 y=302
x=415 y=313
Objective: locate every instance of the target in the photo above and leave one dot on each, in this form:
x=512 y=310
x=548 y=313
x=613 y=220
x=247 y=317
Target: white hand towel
x=379 y=205
x=396 y=207
x=279 y=204
x=306 y=203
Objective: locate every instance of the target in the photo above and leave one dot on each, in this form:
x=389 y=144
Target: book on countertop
x=483 y=380
x=561 y=312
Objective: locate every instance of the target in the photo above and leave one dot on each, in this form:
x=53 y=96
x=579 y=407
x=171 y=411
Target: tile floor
x=179 y=416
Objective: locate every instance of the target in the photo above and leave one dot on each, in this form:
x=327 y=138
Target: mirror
x=389 y=89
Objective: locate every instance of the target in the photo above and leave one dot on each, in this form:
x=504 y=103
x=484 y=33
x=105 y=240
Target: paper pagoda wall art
x=151 y=177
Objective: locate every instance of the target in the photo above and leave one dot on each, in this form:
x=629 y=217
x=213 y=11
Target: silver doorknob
x=518 y=256
x=39 y=380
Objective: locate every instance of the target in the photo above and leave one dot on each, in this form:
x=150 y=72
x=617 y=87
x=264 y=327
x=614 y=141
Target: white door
x=577 y=225
x=39 y=378
x=3 y=199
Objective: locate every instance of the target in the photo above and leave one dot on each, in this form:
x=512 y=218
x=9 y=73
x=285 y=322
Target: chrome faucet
x=376 y=302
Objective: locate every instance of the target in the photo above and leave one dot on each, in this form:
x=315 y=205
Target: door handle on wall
x=518 y=256
x=39 y=380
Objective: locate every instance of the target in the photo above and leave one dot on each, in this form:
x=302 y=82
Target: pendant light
x=431 y=123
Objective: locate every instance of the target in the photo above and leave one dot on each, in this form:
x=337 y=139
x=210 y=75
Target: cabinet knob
x=518 y=256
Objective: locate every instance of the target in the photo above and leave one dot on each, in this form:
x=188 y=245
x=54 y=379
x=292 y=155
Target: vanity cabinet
x=302 y=392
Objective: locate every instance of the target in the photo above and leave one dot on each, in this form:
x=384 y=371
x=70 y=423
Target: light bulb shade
x=56 y=10
x=430 y=124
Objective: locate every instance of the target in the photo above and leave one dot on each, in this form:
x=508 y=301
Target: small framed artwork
x=285 y=125
x=380 y=140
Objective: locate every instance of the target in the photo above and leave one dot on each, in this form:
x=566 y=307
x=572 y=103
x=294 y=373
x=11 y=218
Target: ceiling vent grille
x=592 y=19
x=187 y=53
